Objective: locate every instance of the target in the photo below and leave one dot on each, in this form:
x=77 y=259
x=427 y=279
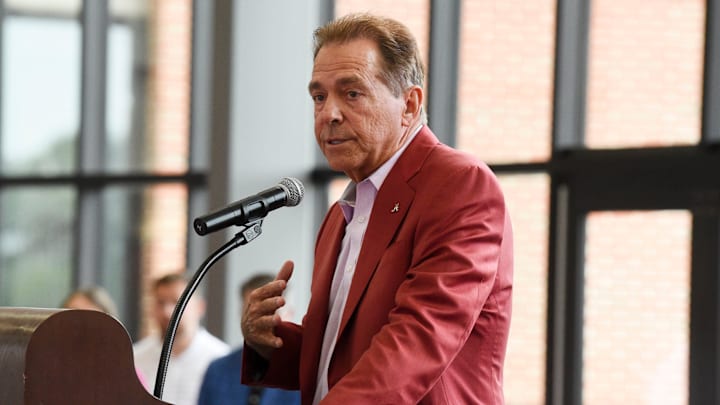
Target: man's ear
x=413 y=104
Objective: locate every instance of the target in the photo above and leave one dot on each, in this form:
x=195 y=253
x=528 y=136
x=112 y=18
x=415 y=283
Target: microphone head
x=294 y=190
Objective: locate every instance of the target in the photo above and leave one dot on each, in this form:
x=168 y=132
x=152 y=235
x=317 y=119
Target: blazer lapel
x=389 y=210
x=326 y=254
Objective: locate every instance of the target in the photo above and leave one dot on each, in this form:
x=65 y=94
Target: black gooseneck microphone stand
x=247 y=234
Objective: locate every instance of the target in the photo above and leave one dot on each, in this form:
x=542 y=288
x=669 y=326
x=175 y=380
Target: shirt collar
x=377 y=178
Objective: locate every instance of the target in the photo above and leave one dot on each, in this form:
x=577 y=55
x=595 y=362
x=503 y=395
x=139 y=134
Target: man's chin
x=339 y=163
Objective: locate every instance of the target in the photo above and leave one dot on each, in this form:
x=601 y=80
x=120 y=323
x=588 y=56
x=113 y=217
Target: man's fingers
x=266 y=307
x=285 y=271
x=276 y=287
x=261 y=331
x=259 y=316
x=271 y=289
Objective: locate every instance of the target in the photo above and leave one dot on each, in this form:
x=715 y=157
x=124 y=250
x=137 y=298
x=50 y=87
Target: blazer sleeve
x=455 y=251
x=282 y=369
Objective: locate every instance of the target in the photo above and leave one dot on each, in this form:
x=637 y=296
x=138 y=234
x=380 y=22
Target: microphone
x=289 y=192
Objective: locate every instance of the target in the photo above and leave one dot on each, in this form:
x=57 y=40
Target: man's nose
x=331 y=111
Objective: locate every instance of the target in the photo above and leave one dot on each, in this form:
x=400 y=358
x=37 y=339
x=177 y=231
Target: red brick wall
x=506 y=78
x=637 y=306
x=169 y=85
x=526 y=198
x=163 y=244
x=645 y=73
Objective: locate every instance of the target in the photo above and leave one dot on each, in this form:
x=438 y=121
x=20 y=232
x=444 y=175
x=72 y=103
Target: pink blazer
x=428 y=312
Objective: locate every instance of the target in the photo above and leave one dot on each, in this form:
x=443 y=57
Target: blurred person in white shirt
x=193 y=347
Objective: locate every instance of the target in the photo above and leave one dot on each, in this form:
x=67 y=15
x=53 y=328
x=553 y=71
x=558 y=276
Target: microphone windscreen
x=294 y=189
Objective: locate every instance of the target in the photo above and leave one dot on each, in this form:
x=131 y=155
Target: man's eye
x=353 y=94
x=318 y=98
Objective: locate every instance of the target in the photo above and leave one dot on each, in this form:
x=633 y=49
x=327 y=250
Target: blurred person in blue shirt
x=221 y=384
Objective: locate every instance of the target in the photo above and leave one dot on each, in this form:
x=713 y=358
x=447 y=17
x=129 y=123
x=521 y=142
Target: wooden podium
x=67 y=357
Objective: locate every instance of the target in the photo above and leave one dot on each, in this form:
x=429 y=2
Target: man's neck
x=182 y=342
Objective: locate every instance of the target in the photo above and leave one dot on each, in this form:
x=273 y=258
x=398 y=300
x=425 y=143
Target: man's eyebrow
x=314 y=85
x=348 y=80
x=343 y=81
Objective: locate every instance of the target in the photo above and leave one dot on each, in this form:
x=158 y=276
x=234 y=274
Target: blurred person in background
x=193 y=347
x=96 y=298
x=221 y=385
x=93 y=298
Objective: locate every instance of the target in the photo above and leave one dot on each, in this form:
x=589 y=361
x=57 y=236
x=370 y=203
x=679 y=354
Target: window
x=645 y=73
x=527 y=199
x=94 y=136
x=505 y=81
x=41 y=56
x=637 y=307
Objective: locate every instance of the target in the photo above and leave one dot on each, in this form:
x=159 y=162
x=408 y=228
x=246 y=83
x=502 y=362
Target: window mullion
x=91 y=140
x=571 y=47
x=443 y=69
x=711 y=91
x=705 y=304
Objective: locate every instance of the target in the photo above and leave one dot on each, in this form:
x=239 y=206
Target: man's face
x=359 y=123
x=166 y=297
